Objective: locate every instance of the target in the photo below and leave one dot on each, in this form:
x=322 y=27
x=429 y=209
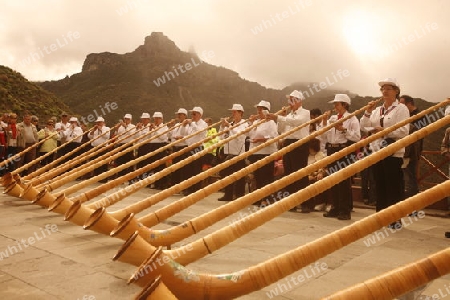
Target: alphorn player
x=336 y=139
x=234 y=148
x=177 y=134
x=195 y=125
x=387 y=173
x=61 y=127
x=297 y=158
x=144 y=127
x=258 y=135
x=74 y=133
x=97 y=130
x=158 y=128
x=127 y=131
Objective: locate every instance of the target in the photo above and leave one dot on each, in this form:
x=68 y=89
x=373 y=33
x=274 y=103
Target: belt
x=329 y=145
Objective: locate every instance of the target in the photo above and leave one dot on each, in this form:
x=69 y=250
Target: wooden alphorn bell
x=14 y=175
x=124 y=231
x=399 y=281
x=78 y=214
x=206 y=286
x=102 y=223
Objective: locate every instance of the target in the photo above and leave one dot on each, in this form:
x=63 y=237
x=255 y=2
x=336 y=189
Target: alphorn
x=29 y=192
x=400 y=280
x=78 y=214
x=56 y=161
x=9 y=177
x=95 y=222
x=45 y=199
x=179 y=279
x=17 y=155
x=129 y=224
x=59 y=181
x=38 y=159
x=54 y=175
x=32 y=193
x=122 y=149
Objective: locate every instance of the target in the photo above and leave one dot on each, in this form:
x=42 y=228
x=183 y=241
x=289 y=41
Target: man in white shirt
x=297 y=158
x=127 y=131
x=61 y=127
x=179 y=133
x=100 y=135
x=143 y=128
x=157 y=127
x=73 y=135
x=234 y=148
x=195 y=125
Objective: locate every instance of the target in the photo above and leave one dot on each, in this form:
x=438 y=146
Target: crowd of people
x=385 y=183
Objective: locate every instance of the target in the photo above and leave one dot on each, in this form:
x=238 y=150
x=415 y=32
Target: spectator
x=27 y=136
x=412 y=152
x=50 y=144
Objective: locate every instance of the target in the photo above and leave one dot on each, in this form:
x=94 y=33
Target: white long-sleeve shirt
x=292 y=120
x=267 y=130
x=71 y=133
x=237 y=145
x=97 y=132
x=394 y=114
x=129 y=136
x=335 y=136
x=195 y=127
x=158 y=130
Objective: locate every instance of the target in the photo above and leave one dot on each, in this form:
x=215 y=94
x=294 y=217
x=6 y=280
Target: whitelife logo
x=187 y=66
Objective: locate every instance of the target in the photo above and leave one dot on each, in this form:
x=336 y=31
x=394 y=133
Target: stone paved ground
x=71 y=263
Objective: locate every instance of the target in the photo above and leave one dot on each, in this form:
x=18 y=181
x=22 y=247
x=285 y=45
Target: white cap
x=73 y=119
x=264 y=103
x=341 y=98
x=389 y=81
x=99 y=119
x=197 y=109
x=157 y=114
x=237 y=107
x=182 y=111
x=145 y=116
x=296 y=94
x=127 y=116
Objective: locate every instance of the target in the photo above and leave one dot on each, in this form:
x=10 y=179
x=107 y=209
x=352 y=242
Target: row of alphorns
x=172 y=280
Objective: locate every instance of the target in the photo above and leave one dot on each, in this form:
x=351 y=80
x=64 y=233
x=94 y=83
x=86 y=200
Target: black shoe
x=224 y=199
x=344 y=216
x=304 y=210
x=331 y=214
x=447 y=234
x=397 y=225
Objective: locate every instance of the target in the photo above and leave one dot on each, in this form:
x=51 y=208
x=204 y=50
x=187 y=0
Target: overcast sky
x=274 y=43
